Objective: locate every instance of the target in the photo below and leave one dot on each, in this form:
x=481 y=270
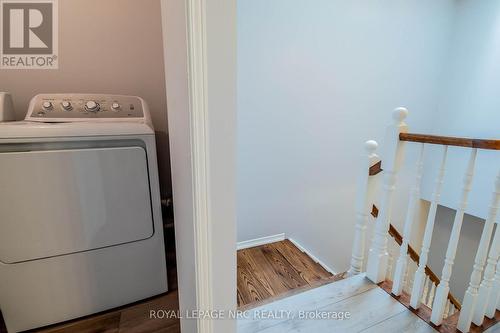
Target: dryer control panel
x=84 y=107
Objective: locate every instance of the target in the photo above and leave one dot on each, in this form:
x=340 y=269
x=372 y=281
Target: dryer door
x=58 y=202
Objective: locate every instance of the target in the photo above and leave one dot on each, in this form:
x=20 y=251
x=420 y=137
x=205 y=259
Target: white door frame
x=200 y=67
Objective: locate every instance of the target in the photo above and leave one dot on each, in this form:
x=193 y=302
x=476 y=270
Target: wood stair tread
x=371 y=309
x=276 y=270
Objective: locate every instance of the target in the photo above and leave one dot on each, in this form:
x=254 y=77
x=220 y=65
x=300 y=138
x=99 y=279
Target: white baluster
x=402 y=263
x=406 y=279
x=366 y=189
x=418 y=284
x=447 y=308
x=377 y=258
x=429 y=288
x=496 y=284
x=486 y=290
x=390 y=261
x=426 y=289
x=410 y=272
x=495 y=294
x=432 y=292
x=410 y=283
x=443 y=288
x=469 y=305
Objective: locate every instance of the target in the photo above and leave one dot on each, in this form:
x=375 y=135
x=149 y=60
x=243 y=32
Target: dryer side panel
x=56 y=202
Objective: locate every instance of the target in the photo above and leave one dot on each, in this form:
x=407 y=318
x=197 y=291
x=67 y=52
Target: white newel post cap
x=371 y=146
x=399 y=114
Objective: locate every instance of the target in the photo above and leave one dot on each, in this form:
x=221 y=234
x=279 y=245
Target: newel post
x=393 y=159
x=366 y=188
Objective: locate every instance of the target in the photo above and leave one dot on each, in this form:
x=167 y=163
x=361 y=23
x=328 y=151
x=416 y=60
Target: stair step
x=369 y=307
x=317 y=284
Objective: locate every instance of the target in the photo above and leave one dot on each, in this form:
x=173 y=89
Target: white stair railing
x=393 y=251
x=482 y=297
x=409 y=276
x=494 y=300
x=402 y=263
x=471 y=306
x=418 y=285
x=431 y=294
x=444 y=288
x=425 y=292
x=489 y=288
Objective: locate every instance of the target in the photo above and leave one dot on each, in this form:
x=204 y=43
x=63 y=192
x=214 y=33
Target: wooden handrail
x=492 y=144
x=416 y=258
x=375 y=169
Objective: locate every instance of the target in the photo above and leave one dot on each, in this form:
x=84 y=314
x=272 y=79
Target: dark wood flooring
x=276 y=270
x=129 y=319
x=133 y=318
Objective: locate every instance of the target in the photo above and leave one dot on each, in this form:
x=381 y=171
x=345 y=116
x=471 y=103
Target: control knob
x=66 y=105
x=92 y=106
x=47 y=105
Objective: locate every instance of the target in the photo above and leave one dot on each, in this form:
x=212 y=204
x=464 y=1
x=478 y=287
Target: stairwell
x=395 y=290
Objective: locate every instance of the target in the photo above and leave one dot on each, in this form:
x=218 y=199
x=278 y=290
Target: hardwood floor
x=276 y=270
x=133 y=318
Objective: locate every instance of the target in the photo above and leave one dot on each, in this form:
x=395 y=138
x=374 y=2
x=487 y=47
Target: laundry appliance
x=80 y=213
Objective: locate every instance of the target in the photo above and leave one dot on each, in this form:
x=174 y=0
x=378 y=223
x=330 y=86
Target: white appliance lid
x=28 y=129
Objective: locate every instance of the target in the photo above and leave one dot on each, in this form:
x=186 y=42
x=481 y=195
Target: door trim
x=197 y=89
x=200 y=69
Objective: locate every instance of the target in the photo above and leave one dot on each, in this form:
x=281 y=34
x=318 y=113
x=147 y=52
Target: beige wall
x=105 y=46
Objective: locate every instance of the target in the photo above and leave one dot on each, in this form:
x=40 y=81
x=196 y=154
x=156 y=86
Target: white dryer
x=80 y=212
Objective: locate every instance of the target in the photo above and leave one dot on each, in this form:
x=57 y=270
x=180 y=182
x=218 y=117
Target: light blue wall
x=316 y=79
x=469 y=104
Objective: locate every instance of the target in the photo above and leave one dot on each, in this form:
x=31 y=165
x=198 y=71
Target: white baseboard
x=313 y=257
x=260 y=241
